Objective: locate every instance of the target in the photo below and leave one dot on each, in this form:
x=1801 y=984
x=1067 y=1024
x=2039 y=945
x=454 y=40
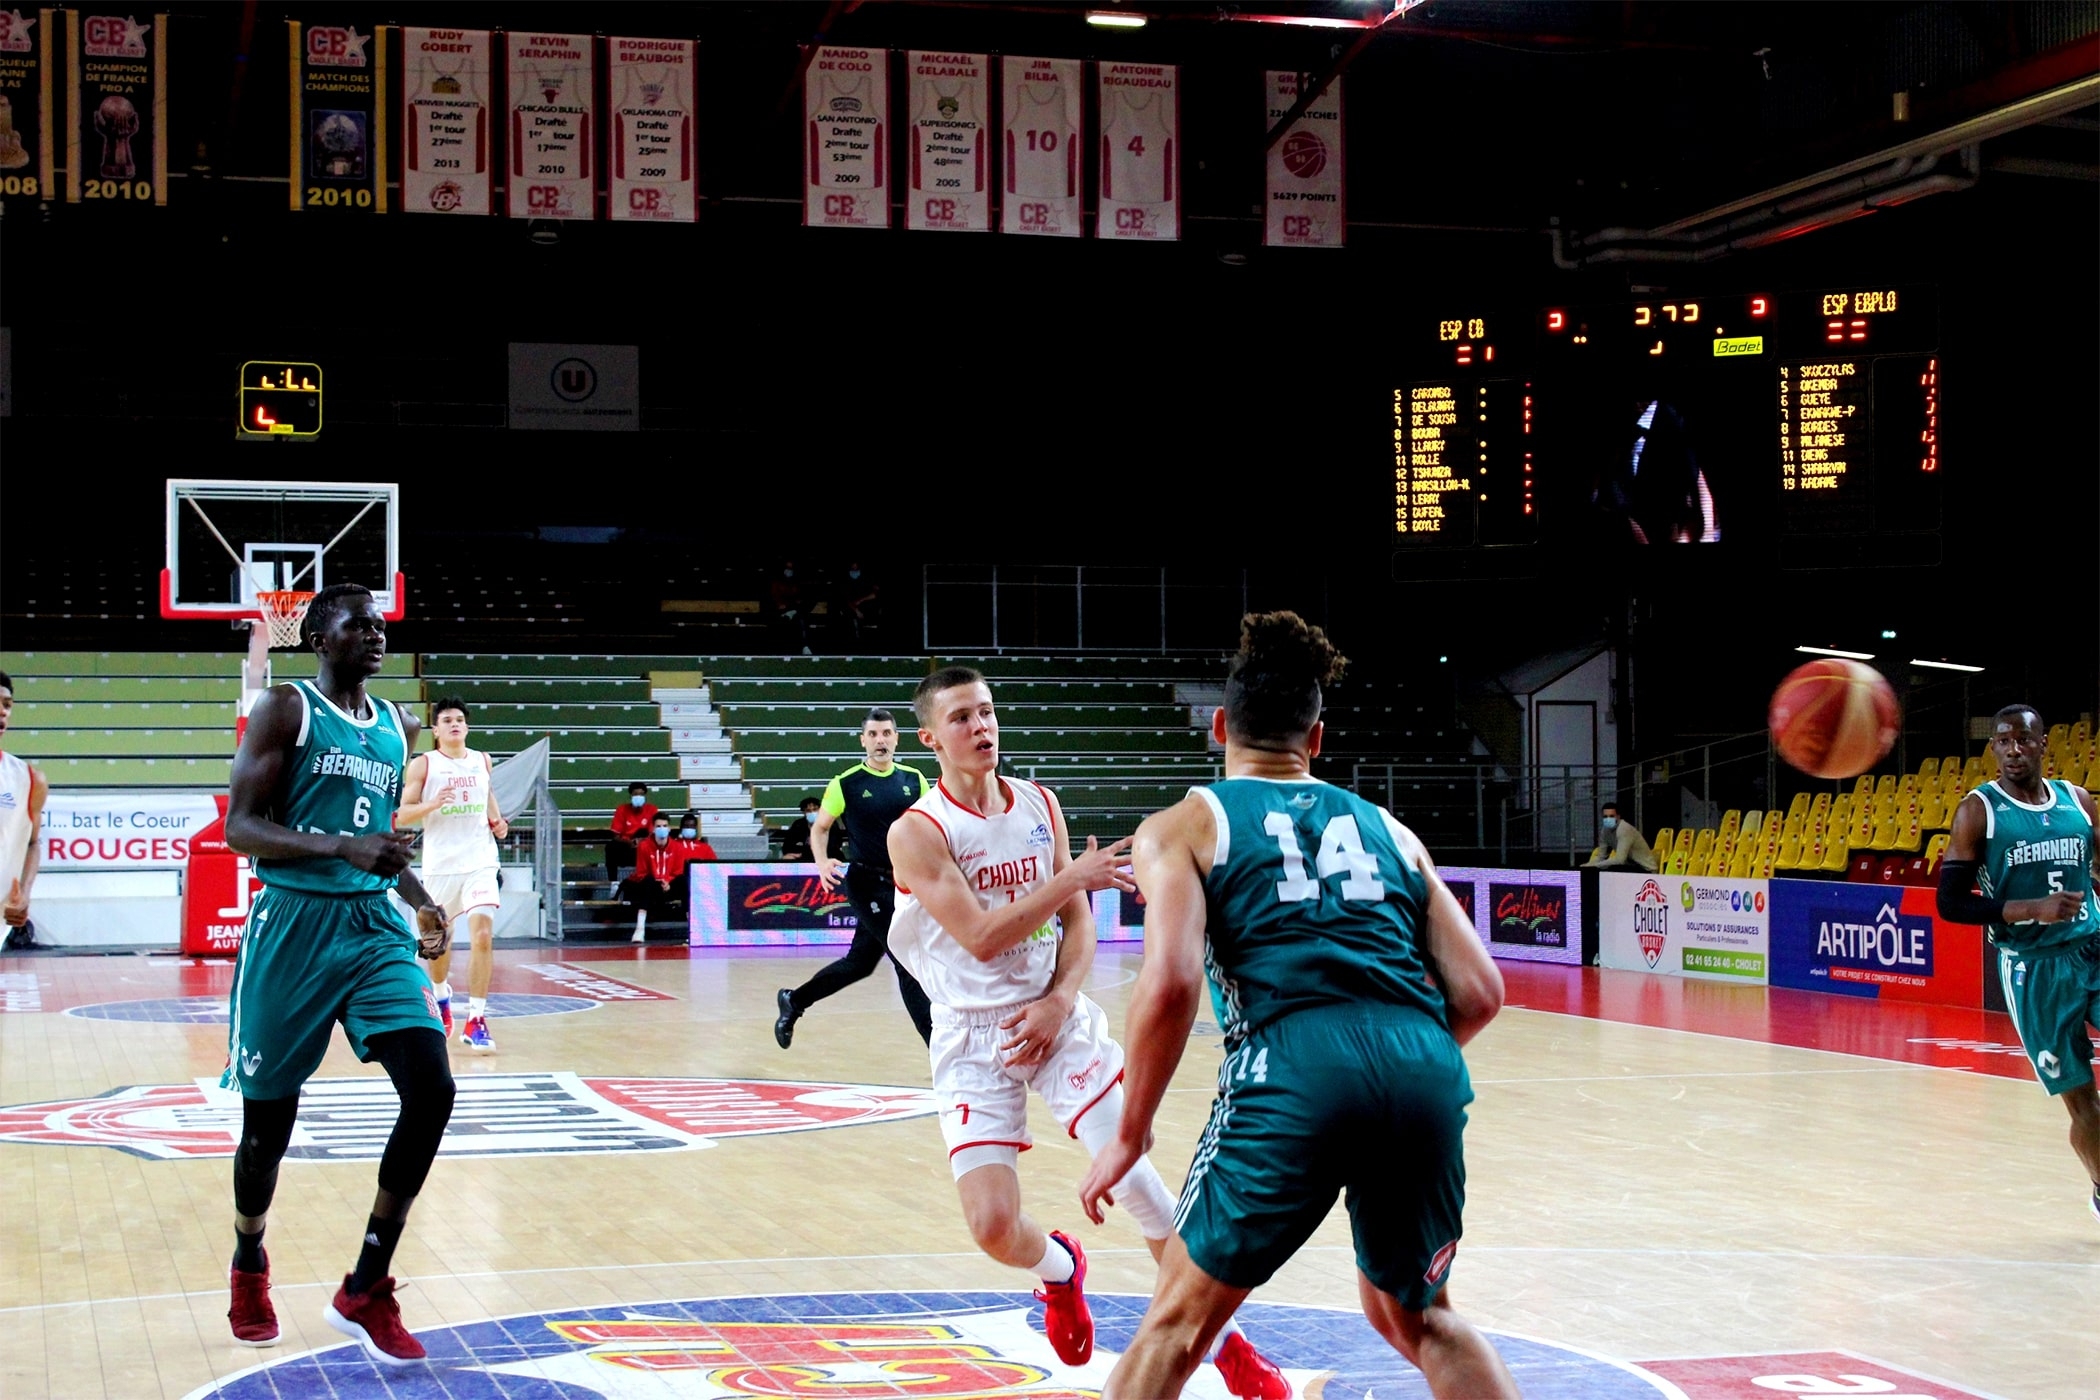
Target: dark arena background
x=1582 y=368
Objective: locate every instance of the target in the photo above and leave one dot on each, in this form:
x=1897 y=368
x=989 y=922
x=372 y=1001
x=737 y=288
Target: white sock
x=1057 y=1264
x=477 y=1007
x=1141 y=1192
x=1218 y=1342
x=443 y=991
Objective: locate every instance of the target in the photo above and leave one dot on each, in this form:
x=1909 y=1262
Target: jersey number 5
x=1341 y=853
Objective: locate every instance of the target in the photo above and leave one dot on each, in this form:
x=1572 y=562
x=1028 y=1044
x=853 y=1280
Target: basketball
x=1833 y=718
x=1304 y=154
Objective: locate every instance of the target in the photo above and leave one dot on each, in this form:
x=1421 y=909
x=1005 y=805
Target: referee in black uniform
x=869 y=796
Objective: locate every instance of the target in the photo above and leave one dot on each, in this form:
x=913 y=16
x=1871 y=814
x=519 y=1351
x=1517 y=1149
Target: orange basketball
x=1833 y=718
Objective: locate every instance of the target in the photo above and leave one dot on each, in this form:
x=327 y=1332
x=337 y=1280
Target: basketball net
x=283 y=610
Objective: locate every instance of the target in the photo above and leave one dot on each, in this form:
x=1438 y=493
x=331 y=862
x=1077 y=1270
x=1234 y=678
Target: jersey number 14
x=1341 y=853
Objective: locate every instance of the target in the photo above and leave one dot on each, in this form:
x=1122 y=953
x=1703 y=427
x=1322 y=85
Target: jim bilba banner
x=1042 y=137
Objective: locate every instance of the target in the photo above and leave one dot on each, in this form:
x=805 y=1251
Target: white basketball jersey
x=1042 y=149
x=1004 y=858
x=852 y=97
x=1137 y=148
x=456 y=839
x=14 y=820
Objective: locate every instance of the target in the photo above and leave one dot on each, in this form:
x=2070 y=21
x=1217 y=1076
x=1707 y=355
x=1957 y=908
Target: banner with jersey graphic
x=552 y=89
x=845 y=170
x=445 y=101
x=1042 y=146
x=1305 y=190
x=1140 y=152
x=653 y=95
x=117 y=139
x=950 y=96
x=338 y=123
x=28 y=104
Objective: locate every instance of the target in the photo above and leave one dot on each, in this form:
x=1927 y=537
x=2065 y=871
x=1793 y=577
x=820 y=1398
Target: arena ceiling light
x=1115 y=19
x=1835 y=651
x=1943 y=665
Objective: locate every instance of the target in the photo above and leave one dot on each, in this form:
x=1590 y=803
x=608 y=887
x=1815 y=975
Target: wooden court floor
x=639 y=1182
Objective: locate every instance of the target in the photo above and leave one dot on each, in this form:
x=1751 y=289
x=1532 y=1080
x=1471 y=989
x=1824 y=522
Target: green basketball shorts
x=2051 y=1000
x=1369 y=1101
x=306 y=962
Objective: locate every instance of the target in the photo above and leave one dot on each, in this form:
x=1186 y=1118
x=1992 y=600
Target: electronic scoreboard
x=1808 y=421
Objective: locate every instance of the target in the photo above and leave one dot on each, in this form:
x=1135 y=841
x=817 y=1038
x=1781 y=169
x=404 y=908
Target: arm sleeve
x=1958 y=901
x=835 y=799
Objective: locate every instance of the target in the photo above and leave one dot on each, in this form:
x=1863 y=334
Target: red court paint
x=1802 y=1373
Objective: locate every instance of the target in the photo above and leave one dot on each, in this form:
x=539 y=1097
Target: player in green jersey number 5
x=2020 y=862
x=1345 y=978
x=315 y=786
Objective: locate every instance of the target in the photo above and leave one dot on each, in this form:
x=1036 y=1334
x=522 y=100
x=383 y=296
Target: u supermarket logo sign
x=551 y=1114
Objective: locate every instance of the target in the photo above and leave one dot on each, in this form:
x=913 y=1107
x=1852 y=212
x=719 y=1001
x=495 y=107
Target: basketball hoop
x=283 y=610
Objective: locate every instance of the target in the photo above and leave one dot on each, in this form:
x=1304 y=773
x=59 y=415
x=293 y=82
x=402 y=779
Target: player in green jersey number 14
x=315 y=787
x=2020 y=861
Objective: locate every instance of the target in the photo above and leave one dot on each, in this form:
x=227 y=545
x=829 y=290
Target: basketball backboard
x=230 y=540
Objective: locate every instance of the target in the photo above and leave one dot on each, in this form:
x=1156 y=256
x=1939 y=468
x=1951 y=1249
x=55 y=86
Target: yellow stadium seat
x=1766 y=865
x=1909 y=834
x=1701 y=848
x=1791 y=852
x=1950 y=767
x=1837 y=853
x=2081 y=734
x=1863 y=790
x=1731 y=821
x=1796 y=823
x=1885 y=785
x=1681 y=857
x=1661 y=846
x=1933 y=813
x=1740 y=863
x=1928 y=769
x=1799 y=806
x=2074 y=771
x=1751 y=821
x=1882 y=837
x=2059 y=733
x=1717 y=856
x=1934 y=849
x=1990 y=764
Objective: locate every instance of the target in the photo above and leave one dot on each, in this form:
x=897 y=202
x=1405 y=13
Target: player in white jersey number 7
x=985 y=877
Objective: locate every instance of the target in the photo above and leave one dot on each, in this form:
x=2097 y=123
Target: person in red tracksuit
x=658 y=882
x=630 y=821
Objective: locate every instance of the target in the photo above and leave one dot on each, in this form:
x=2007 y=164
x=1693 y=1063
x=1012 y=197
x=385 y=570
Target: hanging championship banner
x=28 y=105
x=845 y=171
x=445 y=121
x=338 y=117
x=1305 y=169
x=950 y=103
x=1140 y=152
x=653 y=89
x=117 y=140
x=1042 y=146
x=553 y=91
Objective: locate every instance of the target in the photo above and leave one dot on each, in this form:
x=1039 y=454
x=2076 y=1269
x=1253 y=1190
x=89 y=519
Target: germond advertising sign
x=1691 y=926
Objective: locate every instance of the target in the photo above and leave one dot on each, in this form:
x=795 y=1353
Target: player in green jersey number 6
x=2020 y=862
x=315 y=786
x=1345 y=977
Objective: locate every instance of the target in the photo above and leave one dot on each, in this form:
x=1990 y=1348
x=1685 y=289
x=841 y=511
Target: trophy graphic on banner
x=116 y=122
x=12 y=156
x=341 y=138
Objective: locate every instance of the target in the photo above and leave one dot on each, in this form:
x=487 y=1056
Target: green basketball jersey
x=343 y=778
x=2032 y=850
x=1312 y=903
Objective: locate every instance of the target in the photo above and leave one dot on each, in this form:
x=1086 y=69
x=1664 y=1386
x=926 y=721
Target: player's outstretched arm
x=1169 y=987
x=919 y=853
x=258 y=766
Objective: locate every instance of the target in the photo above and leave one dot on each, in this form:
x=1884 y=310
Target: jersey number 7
x=1341 y=853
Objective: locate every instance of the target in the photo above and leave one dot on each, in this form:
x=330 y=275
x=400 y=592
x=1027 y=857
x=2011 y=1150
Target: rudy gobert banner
x=445 y=121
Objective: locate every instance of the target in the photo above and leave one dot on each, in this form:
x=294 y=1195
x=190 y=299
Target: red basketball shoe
x=1066 y=1321
x=254 y=1320
x=374 y=1318
x=1248 y=1374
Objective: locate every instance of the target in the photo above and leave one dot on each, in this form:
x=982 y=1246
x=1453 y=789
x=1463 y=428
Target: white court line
x=1474 y=1251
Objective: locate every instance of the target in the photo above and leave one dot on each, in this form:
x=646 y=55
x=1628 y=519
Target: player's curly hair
x=322 y=610
x=1272 y=695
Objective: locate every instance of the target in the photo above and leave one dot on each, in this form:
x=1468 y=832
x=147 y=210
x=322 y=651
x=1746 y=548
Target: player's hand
x=16 y=911
x=2056 y=908
x=433 y=934
x=382 y=853
x=1097 y=1187
x=499 y=828
x=1105 y=867
x=830 y=872
x=1035 y=1027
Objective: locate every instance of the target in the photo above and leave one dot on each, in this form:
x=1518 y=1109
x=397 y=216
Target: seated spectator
x=688 y=842
x=1623 y=846
x=657 y=885
x=790 y=616
x=858 y=608
x=794 y=843
x=628 y=822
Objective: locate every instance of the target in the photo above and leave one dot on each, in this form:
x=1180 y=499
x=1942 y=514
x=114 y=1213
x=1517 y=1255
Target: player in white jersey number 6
x=985 y=875
x=450 y=794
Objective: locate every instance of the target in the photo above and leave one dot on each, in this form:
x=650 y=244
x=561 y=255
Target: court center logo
x=876 y=1346
x=1651 y=919
x=546 y=1114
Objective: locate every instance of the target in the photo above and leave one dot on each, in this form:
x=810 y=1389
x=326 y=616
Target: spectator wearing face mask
x=629 y=820
x=858 y=606
x=794 y=842
x=688 y=841
x=657 y=886
x=1622 y=847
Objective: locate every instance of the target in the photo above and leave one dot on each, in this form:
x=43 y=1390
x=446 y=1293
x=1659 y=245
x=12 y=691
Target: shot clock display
x=1781 y=417
x=280 y=399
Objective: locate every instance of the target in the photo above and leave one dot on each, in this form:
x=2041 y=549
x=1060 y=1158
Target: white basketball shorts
x=461 y=894
x=984 y=1103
